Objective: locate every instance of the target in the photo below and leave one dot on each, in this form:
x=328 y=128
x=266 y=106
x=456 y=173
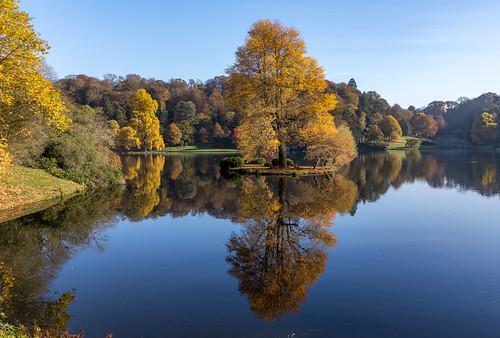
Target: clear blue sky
x=409 y=52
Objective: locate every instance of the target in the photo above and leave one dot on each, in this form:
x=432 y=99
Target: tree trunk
x=282 y=156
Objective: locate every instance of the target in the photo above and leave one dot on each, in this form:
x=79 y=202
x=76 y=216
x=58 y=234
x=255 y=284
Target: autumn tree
x=484 y=130
x=217 y=131
x=423 y=125
x=127 y=138
x=391 y=128
x=26 y=97
x=144 y=121
x=325 y=143
x=173 y=135
x=276 y=87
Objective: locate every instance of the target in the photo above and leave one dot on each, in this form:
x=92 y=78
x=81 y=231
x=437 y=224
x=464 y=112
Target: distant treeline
x=202 y=114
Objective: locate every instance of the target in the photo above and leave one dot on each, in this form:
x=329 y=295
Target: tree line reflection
x=280 y=251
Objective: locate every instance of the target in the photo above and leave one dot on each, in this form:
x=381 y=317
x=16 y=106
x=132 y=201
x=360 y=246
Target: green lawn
x=24 y=190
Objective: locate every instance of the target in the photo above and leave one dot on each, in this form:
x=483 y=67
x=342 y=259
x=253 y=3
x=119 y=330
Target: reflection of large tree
x=33 y=249
x=143 y=174
x=281 y=250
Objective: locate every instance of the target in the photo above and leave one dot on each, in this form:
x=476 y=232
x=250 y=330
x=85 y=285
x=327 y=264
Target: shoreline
x=26 y=190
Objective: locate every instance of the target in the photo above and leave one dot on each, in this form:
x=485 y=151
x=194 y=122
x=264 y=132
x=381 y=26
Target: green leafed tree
x=374 y=133
x=186 y=110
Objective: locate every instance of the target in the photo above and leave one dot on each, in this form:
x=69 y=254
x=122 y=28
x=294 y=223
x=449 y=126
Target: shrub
x=258 y=172
x=295 y=174
x=233 y=177
x=261 y=161
x=276 y=162
x=231 y=162
x=267 y=164
x=413 y=143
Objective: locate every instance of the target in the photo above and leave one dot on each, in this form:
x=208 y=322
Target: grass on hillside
x=24 y=189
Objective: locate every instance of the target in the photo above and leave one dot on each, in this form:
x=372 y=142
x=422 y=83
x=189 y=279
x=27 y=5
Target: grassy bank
x=196 y=149
x=27 y=190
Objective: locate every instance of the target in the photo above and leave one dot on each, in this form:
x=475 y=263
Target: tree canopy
x=277 y=88
x=25 y=95
x=144 y=121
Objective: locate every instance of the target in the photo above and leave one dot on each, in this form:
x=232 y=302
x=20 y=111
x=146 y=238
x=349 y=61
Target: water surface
x=394 y=245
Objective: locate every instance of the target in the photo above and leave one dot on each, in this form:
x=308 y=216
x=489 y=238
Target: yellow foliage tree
x=24 y=93
x=144 y=121
x=276 y=87
x=325 y=143
x=127 y=138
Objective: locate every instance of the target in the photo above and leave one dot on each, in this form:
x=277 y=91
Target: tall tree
x=352 y=83
x=144 y=121
x=275 y=84
x=25 y=94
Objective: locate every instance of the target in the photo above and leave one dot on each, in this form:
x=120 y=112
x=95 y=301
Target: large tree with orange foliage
x=277 y=88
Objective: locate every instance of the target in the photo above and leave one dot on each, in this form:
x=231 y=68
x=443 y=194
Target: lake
x=395 y=245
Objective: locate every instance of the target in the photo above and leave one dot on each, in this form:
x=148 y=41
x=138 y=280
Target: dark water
x=392 y=246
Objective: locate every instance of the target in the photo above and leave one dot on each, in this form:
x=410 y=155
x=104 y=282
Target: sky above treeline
x=410 y=52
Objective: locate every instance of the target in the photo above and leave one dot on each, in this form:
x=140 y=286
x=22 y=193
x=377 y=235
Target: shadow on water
x=286 y=223
x=34 y=248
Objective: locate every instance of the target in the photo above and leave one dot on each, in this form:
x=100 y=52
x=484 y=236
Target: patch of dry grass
x=25 y=189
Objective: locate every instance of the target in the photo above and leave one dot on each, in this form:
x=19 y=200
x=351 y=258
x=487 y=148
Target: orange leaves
x=276 y=86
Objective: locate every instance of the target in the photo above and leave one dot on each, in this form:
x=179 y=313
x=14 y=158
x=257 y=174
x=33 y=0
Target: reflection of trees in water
x=187 y=185
x=34 y=248
x=375 y=173
x=143 y=174
x=281 y=249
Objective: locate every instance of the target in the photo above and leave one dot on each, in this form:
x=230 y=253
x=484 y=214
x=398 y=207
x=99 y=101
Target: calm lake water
x=395 y=246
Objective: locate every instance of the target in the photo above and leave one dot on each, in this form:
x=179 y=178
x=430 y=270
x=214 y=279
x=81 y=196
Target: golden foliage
x=282 y=248
x=24 y=92
x=276 y=87
x=127 y=138
x=324 y=142
x=145 y=179
x=144 y=121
